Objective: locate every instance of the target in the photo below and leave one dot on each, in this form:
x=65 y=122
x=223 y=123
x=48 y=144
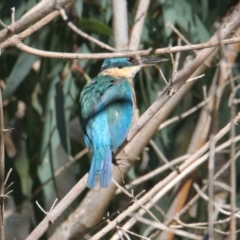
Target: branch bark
x=138 y=24
x=168 y=183
x=120 y=24
x=41 y=10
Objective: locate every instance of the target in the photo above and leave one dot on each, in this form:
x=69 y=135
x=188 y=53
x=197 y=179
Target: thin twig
x=195 y=78
x=169 y=229
x=57 y=173
x=159 y=153
x=211 y=164
x=132 y=233
x=83 y=34
x=13 y=17
x=171 y=180
x=137 y=29
x=57 y=211
x=14 y=41
x=8 y=175
x=39 y=11
x=155 y=172
x=185 y=114
x=179 y=34
x=233 y=164
x=2 y=166
x=162 y=75
x=194 y=199
x=177 y=57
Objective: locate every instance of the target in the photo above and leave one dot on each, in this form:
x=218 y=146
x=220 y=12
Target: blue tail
x=101 y=166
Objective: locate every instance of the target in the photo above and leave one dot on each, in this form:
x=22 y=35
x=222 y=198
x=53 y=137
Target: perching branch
x=170 y=181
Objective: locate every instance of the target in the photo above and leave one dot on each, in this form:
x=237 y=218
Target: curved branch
x=15 y=42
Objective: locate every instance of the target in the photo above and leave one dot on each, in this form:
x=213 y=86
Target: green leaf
x=49 y=119
x=201 y=30
x=169 y=15
x=21 y=69
x=184 y=14
x=95 y=26
x=79 y=7
x=61 y=118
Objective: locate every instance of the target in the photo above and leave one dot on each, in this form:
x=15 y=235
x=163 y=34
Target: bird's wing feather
x=106 y=113
x=119 y=111
x=95 y=124
x=91 y=103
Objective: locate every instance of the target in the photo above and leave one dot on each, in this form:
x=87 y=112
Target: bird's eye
x=130 y=59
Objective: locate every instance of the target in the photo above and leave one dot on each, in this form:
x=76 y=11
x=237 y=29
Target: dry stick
x=57 y=173
x=177 y=57
x=202 y=225
x=120 y=24
x=156 y=197
x=194 y=199
x=83 y=34
x=29 y=31
x=233 y=165
x=138 y=24
x=2 y=195
x=129 y=220
x=39 y=11
x=235 y=14
x=155 y=172
x=198 y=139
x=191 y=110
x=57 y=211
x=168 y=24
x=211 y=164
x=166 y=184
x=163 y=227
x=160 y=155
x=35 y=27
x=179 y=80
x=14 y=41
x=216 y=205
x=132 y=233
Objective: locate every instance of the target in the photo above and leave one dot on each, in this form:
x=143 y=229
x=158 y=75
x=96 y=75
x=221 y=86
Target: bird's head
x=127 y=66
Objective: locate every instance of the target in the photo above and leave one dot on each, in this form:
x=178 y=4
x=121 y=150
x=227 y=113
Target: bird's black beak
x=144 y=62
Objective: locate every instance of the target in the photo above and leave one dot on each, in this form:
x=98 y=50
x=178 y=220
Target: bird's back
x=106 y=115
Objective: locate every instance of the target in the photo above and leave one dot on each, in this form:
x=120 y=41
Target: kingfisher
x=107 y=103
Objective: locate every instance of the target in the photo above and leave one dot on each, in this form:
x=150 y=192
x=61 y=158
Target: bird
x=106 y=111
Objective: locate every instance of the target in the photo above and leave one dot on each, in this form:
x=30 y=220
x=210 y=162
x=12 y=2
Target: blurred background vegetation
x=41 y=101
